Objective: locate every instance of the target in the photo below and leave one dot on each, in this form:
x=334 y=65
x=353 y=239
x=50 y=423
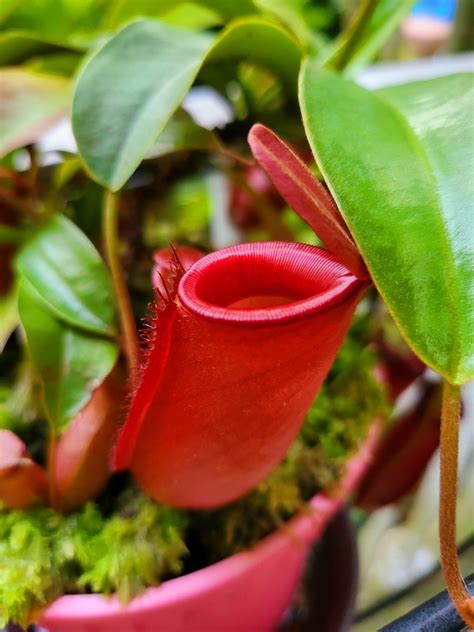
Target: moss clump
x=44 y=554
x=334 y=428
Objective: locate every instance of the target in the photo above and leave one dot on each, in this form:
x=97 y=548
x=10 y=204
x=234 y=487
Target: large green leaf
x=71 y=362
x=70 y=277
x=400 y=164
x=128 y=91
x=29 y=104
x=372 y=24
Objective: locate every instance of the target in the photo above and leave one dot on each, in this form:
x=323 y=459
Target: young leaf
x=305 y=195
x=71 y=362
x=29 y=104
x=128 y=91
x=69 y=275
x=399 y=163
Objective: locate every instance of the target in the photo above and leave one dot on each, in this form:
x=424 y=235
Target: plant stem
x=127 y=320
x=353 y=33
x=232 y=155
x=450 y=414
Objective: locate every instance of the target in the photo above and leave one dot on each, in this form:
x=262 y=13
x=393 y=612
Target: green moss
x=135 y=550
x=44 y=554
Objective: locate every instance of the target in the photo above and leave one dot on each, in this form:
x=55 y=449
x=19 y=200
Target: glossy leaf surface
x=117 y=122
x=128 y=91
x=29 y=104
x=69 y=275
x=71 y=362
x=399 y=163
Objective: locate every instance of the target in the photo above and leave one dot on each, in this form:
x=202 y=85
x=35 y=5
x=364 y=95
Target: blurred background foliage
x=204 y=198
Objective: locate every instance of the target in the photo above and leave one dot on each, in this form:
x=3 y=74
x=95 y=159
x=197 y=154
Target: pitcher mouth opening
x=265 y=282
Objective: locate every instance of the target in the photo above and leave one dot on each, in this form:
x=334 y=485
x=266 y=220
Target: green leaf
x=292 y=13
x=261 y=42
x=399 y=163
x=123 y=11
x=7 y=7
x=18 y=46
x=12 y=234
x=69 y=275
x=230 y=9
x=191 y=15
x=71 y=363
x=63 y=64
x=29 y=104
x=128 y=91
x=370 y=28
x=116 y=121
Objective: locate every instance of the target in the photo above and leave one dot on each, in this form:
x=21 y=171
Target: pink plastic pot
x=246 y=592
